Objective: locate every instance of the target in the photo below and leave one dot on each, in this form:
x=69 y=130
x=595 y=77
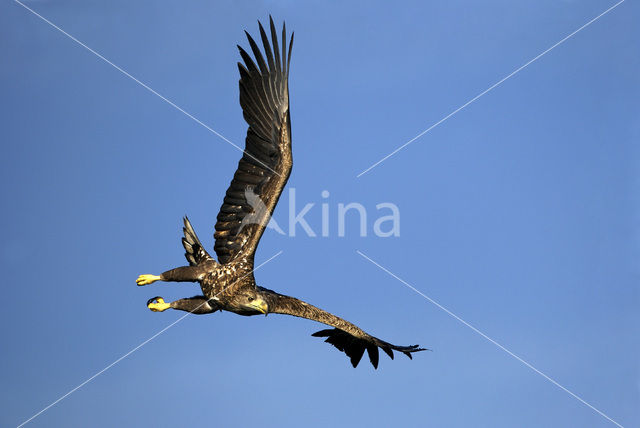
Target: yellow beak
x=260 y=305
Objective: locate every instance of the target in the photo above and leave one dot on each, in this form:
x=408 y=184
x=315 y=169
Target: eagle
x=228 y=284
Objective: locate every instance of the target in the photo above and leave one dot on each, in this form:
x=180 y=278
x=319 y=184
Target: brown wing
x=266 y=164
x=345 y=336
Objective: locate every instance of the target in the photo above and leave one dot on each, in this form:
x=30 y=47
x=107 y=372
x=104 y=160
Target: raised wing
x=266 y=163
x=345 y=336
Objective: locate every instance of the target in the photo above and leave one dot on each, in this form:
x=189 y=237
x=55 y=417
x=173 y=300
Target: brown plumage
x=228 y=284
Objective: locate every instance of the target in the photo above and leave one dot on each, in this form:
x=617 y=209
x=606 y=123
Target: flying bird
x=228 y=284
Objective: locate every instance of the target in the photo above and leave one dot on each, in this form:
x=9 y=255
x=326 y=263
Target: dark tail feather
x=194 y=252
x=354 y=347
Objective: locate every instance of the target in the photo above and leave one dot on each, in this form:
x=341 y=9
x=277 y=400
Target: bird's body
x=228 y=284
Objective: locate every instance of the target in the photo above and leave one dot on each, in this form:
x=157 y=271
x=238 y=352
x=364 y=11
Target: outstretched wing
x=345 y=336
x=266 y=163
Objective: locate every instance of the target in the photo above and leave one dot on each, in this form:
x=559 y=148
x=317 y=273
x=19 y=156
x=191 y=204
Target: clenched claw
x=157 y=304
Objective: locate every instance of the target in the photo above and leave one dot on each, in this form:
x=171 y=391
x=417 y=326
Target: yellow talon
x=157 y=304
x=147 y=279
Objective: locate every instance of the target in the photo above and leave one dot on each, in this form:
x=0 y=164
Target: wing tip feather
x=354 y=347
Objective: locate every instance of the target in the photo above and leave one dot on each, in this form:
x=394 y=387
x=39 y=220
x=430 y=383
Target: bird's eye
x=250 y=299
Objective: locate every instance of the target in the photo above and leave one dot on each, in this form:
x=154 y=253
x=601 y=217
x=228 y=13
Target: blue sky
x=519 y=214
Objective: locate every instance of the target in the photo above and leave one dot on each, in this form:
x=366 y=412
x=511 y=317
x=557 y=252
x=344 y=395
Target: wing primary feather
x=284 y=47
x=387 y=351
x=267 y=47
x=262 y=85
x=276 y=48
x=257 y=54
x=247 y=60
x=374 y=356
x=323 y=333
x=356 y=350
x=267 y=82
x=289 y=56
x=244 y=73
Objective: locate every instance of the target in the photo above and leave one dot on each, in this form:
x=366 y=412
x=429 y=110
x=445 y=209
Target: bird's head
x=254 y=301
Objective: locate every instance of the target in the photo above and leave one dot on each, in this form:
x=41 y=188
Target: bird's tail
x=194 y=251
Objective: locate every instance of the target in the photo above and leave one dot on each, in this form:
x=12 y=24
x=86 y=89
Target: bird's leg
x=147 y=278
x=196 y=305
x=181 y=274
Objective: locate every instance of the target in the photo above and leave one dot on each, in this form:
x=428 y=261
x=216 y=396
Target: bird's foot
x=147 y=279
x=157 y=304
